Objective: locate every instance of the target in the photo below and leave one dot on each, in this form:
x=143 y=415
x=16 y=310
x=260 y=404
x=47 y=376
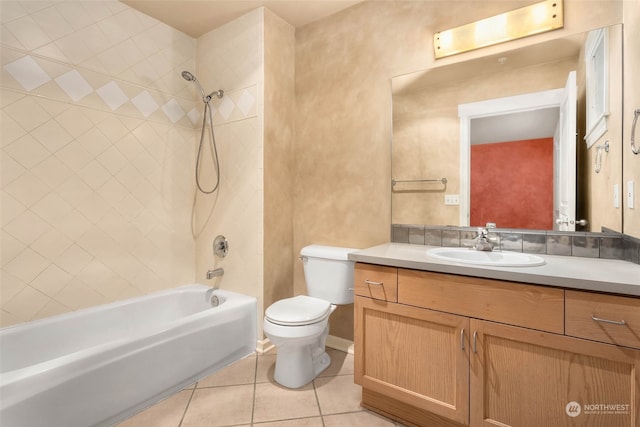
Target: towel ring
x=634 y=150
x=598 y=161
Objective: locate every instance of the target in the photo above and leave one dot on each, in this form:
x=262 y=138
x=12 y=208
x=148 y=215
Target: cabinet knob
x=371 y=282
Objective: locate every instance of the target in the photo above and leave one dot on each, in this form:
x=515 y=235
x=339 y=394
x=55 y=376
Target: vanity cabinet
x=458 y=350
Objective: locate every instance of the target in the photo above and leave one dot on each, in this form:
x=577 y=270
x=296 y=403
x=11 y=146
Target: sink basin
x=496 y=259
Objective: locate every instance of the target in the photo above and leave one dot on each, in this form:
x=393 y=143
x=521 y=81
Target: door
x=526 y=378
x=413 y=355
x=564 y=159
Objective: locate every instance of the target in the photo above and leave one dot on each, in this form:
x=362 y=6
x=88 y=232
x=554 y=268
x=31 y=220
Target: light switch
x=630 y=194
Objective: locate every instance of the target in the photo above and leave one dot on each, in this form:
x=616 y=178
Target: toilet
x=299 y=326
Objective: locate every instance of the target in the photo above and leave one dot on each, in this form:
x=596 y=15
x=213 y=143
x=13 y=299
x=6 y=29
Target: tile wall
x=97 y=156
x=231 y=58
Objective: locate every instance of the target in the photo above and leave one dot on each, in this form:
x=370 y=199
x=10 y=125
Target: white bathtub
x=99 y=366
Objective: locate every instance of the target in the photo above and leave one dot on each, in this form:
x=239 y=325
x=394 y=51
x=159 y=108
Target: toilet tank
x=328 y=273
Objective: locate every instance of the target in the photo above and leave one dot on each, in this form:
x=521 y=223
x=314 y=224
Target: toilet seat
x=298 y=311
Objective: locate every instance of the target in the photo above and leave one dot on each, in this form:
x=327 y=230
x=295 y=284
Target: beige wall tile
x=78 y=168
x=232 y=58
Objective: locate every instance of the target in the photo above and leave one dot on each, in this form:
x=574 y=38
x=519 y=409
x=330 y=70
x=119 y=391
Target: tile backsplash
x=609 y=245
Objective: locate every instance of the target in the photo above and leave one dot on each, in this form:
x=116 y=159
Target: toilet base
x=297 y=367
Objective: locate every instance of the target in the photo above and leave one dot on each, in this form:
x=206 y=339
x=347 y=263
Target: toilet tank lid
x=327 y=252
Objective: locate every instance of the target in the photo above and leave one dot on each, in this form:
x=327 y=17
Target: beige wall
x=631 y=162
x=343 y=110
x=279 y=113
x=101 y=209
x=96 y=156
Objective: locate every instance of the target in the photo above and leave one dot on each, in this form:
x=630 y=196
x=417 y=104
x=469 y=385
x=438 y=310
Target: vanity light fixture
x=526 y=21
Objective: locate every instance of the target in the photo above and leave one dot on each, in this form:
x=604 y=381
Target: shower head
x=205 y=98
x=188 y=76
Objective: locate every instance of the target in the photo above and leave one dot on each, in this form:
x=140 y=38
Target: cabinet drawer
x=376 y=281
x=600 y=317
x=530 y=306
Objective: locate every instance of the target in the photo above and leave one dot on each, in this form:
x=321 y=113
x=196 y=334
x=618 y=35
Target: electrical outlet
x=616 y=196
x=630 y=195
x=451 y=199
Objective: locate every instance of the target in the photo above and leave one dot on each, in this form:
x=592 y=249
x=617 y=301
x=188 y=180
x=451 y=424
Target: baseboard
x=337 y=343
x=263 y=346
x=340 y=344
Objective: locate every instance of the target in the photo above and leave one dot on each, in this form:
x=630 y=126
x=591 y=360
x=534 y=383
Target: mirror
x=433 y=178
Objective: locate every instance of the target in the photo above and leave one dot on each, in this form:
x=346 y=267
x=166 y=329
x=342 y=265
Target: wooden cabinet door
x=414 y=355
x=522 y=377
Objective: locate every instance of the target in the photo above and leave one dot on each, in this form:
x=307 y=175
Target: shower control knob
x=220 y=246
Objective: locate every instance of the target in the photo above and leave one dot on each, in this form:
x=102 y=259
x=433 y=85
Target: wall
x=631 y=162
x=231 y=58
x=251 y=58
x=97 y=156
x=343 y=111
x=279 y=113
x=512 y=184
x=595 y=200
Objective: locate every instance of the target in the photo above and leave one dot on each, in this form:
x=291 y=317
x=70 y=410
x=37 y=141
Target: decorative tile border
x=606 y=245
x=47 y=78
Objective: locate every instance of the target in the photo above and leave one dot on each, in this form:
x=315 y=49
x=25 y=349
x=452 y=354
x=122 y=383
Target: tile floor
x=245 y=394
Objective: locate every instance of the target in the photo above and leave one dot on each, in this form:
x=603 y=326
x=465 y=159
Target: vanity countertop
x=591 y=274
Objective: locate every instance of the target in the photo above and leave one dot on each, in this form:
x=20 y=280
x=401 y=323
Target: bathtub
x=99 y=366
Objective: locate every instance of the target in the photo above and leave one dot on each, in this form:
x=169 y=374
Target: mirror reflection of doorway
x=520 y=154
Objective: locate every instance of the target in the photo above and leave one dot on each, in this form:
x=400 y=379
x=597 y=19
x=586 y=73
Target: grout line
x=186 y=408
x=255 y=380
x=315 y=392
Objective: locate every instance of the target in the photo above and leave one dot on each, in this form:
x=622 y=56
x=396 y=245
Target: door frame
x=493 y=107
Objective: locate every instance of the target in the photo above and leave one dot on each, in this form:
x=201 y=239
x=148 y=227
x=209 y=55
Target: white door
x=564 y=168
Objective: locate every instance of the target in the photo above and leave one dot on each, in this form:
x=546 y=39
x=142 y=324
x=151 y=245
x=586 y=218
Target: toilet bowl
x=299 y=326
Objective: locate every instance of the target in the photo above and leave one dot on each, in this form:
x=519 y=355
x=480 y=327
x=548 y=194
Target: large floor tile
x=357 y=419
x=265 y=368
x=338 y=394
x=167 y=413
x=220 y=406
x=240 y=372
x=341 y=364
x=299 y=422
x=274 y=402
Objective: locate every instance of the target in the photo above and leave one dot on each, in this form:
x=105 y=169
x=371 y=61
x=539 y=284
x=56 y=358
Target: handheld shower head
x=191 y=78
x=188 y=76
x=205 y=98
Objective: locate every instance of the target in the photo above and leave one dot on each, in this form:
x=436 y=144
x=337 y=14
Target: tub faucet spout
x=215 y=273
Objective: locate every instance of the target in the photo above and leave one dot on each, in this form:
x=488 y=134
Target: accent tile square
x=27 y=72
x=112 y=95
x=74 y=85
x=145 y=103
x=173 y=110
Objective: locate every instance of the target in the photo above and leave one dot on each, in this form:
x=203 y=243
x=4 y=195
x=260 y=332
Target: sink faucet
x=482 y=242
